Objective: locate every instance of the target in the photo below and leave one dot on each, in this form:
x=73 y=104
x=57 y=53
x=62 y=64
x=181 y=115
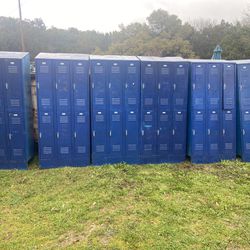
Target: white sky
x=106 y=15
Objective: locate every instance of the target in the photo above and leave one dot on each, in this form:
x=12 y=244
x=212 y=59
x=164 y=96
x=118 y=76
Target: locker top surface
x=208 y=61
x=242 y=61
x=160 y=59
x=113 y=57
x=13 y=55
x=62 y=56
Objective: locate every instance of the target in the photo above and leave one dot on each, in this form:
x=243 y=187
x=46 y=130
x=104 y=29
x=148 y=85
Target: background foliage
x=161 y=34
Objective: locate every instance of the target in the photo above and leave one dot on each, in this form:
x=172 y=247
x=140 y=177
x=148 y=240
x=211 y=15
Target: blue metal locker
x=149 y=109
x=17 y=145
x=245 y=131
x=132 y=109
x=81 y=141
x=63 y=109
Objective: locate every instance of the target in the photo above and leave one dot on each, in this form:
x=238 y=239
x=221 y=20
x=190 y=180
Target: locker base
x=148 y=160
x=48 y=164
x=132 y=161
x=14 y=165
x=228 y=157
x=83 y=162
x=245 y=158
x=172 y=159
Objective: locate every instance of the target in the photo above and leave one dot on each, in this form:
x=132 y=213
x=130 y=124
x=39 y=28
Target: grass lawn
x=179 y=206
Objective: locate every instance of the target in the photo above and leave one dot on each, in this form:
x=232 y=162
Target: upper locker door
x=99 y=111
x=148 y=110
x=45 y=100
x=80 y=72
x=63 y=112
x=13 y=84
x=229 y=86
x=165 y=93
x=244 y=86
x=198 y=85
x=116 y=83
x=180 y=92
x=3 y=132
x=131 y=109
x=214 y=86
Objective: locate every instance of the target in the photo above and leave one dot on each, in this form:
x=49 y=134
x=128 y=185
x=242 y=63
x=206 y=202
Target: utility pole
x=21 y=25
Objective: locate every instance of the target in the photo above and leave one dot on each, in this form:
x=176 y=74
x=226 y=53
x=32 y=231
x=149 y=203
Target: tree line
x=162 y=34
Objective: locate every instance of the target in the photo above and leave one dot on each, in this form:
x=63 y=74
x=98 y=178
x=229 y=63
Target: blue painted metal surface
x=163 y=109
x=115 y=107
x=63 y=109
x=16 y=132
x=212 y=111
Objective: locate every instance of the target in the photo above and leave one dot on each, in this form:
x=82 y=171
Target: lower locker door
x=3 y=141
x=149 y=136
x=164 y=133
x=81 y=139
x=64 y=135
x=179 y=134
x=99 y=137
x=229 y=135
x=132 y=138
x=197 y=137
x=16 y=137
x=116 y=137
x=245 y=120
x=213 y=136
x=47 y=151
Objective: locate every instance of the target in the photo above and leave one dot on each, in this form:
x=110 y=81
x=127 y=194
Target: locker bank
x=63 y=109
x=212 y=111
x=164 y=95
x=115 y=108
x=16 y=128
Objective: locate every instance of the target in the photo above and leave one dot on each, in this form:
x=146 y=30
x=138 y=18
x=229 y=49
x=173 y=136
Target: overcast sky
x=106 y=15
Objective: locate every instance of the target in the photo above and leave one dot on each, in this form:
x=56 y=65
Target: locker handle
x=143 y=86
x=159 y=86
x=193 y=86
x=10 y=136
x=209 y=86
x=93 y=85
x=193 y=131
x=109 y=85
x=40 y=135
x=74 y=86
x=75 y=134
x=93 y=133
x=174 y=86
x=56 y=86
x=224 y=86
x=126 y=132
x=208 y=131
x=6 y=85
x=142 y=132
x=158 y=132
x=243 y=131
x=224 y=131
x=173 y=132
x=126 y=85
x=38 y=85
x=110 y=133
x=57 y=134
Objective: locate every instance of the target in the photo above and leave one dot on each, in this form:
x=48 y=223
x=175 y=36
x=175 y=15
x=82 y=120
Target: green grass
x=180 y=206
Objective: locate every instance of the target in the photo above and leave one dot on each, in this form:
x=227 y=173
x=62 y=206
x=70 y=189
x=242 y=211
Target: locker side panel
x=132 y=111
x=81 y=135
x=99 y=112
x=46 y=112
x=116 y=84
x=64 y=118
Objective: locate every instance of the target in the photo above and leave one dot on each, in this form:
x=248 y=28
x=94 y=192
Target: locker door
x=148 y=134
x=214 y=135
x=149 y=76
x=180 y=86
x=198 y=85
x=116 y=136
x=165 y=136
x=16 y=136
x=3 y=141
x=64 y=136
x=244 y=86
x=13 y=84
x=2 y=88
x=132 y=86
x=63 y=86
x=214 y=86
x=229 y=85
x=229 y=135
x=81 y=113
x=179 y=132
x=98 y=81
x=45 y=86
x=245 y=121
x=165 y=85
x=198 y=138
x=99 y=136
x=47 y=150
x=132 y=132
